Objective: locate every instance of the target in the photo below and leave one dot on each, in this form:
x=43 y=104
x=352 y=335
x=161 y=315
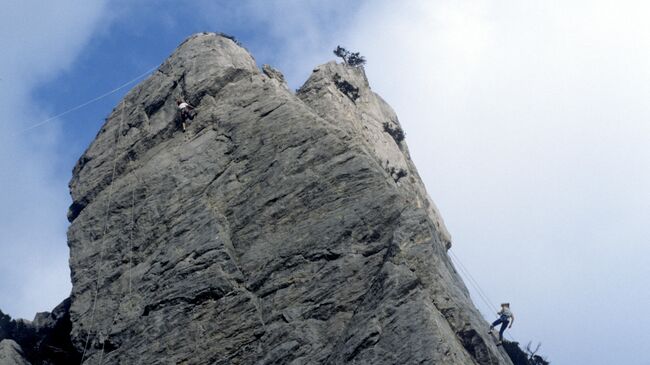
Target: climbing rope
x=474 y=283
x=103 y=242
x=129 y=291
x=481 y=293
x=130 y=248
x=45 y=121
x=130 y=255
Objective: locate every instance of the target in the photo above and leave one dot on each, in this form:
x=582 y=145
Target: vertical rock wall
x=280 y=229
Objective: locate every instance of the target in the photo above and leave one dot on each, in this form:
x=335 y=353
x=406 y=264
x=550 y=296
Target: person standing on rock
x=185 y=110
x=505 y=317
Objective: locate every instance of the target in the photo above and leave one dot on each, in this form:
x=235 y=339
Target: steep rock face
x=280 y=229
x=11 y=353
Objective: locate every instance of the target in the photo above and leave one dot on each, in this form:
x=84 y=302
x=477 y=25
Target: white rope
x=463 y=273
x=87 y=102
x=103 y=242
x=131 y=235
x=470 y=278
x=480 y=291
x=130 y=249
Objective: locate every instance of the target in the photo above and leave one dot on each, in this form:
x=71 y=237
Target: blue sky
x=528 y=122
x=140 y=35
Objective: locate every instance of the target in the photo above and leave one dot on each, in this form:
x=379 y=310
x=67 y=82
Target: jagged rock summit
x=281 y=228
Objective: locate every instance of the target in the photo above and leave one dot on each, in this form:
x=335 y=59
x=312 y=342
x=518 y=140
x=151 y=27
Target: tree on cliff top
x=350 y=58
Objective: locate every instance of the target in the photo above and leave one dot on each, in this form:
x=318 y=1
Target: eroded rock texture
x=280 y=229
x=11 y=353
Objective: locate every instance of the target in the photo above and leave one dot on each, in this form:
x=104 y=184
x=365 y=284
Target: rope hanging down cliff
x=130 y=276
x=481 y=293
x=103 y=241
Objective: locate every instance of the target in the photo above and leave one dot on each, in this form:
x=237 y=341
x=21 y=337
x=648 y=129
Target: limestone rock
x=275 y=75
x=11 y=353
x=279 y=229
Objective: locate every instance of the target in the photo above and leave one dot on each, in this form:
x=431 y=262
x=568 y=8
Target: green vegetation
x=350 y=58
x=346 y=88
x=397 y=133
x=521 y=357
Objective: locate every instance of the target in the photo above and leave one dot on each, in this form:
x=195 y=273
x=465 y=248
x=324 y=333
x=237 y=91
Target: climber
x=505 y=317
x=185 y=110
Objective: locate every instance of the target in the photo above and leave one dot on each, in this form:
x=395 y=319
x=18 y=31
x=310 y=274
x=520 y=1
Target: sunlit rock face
x=280 y=228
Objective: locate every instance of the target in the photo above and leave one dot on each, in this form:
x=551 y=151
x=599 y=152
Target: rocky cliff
x=43 y=341
x=11 y=353
x=281 y=228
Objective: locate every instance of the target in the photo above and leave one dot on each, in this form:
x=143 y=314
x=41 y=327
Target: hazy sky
x=529 y=122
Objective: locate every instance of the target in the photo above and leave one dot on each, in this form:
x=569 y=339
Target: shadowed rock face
x=280 y=229
x=43 y=341
x=11 y=353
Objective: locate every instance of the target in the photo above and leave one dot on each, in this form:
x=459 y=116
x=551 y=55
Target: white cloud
x=527 y=120
x=529 y=123
x=39 y=39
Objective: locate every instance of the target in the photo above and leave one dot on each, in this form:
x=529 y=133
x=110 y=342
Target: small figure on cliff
x=505 y=317
x=186 y=111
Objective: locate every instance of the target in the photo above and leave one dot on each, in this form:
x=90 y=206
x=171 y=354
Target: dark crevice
x=152 y=108
x=81 y=163
x=275 y=199
x=371 y=339
x=278 y=287
x=266 y=113
x=371 y=237
x=75 y=209
x=214 y=294
x=109 y=346
x=475 y=346
x=322 y=255
x=216 y=177
x=473 y=343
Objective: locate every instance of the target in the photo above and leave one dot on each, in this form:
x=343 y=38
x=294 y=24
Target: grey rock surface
x=274 y=74
x=280 y=228
x=46 y=339
x=11 y=353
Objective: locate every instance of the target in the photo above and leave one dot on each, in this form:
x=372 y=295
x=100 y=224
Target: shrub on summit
x=350 y=58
